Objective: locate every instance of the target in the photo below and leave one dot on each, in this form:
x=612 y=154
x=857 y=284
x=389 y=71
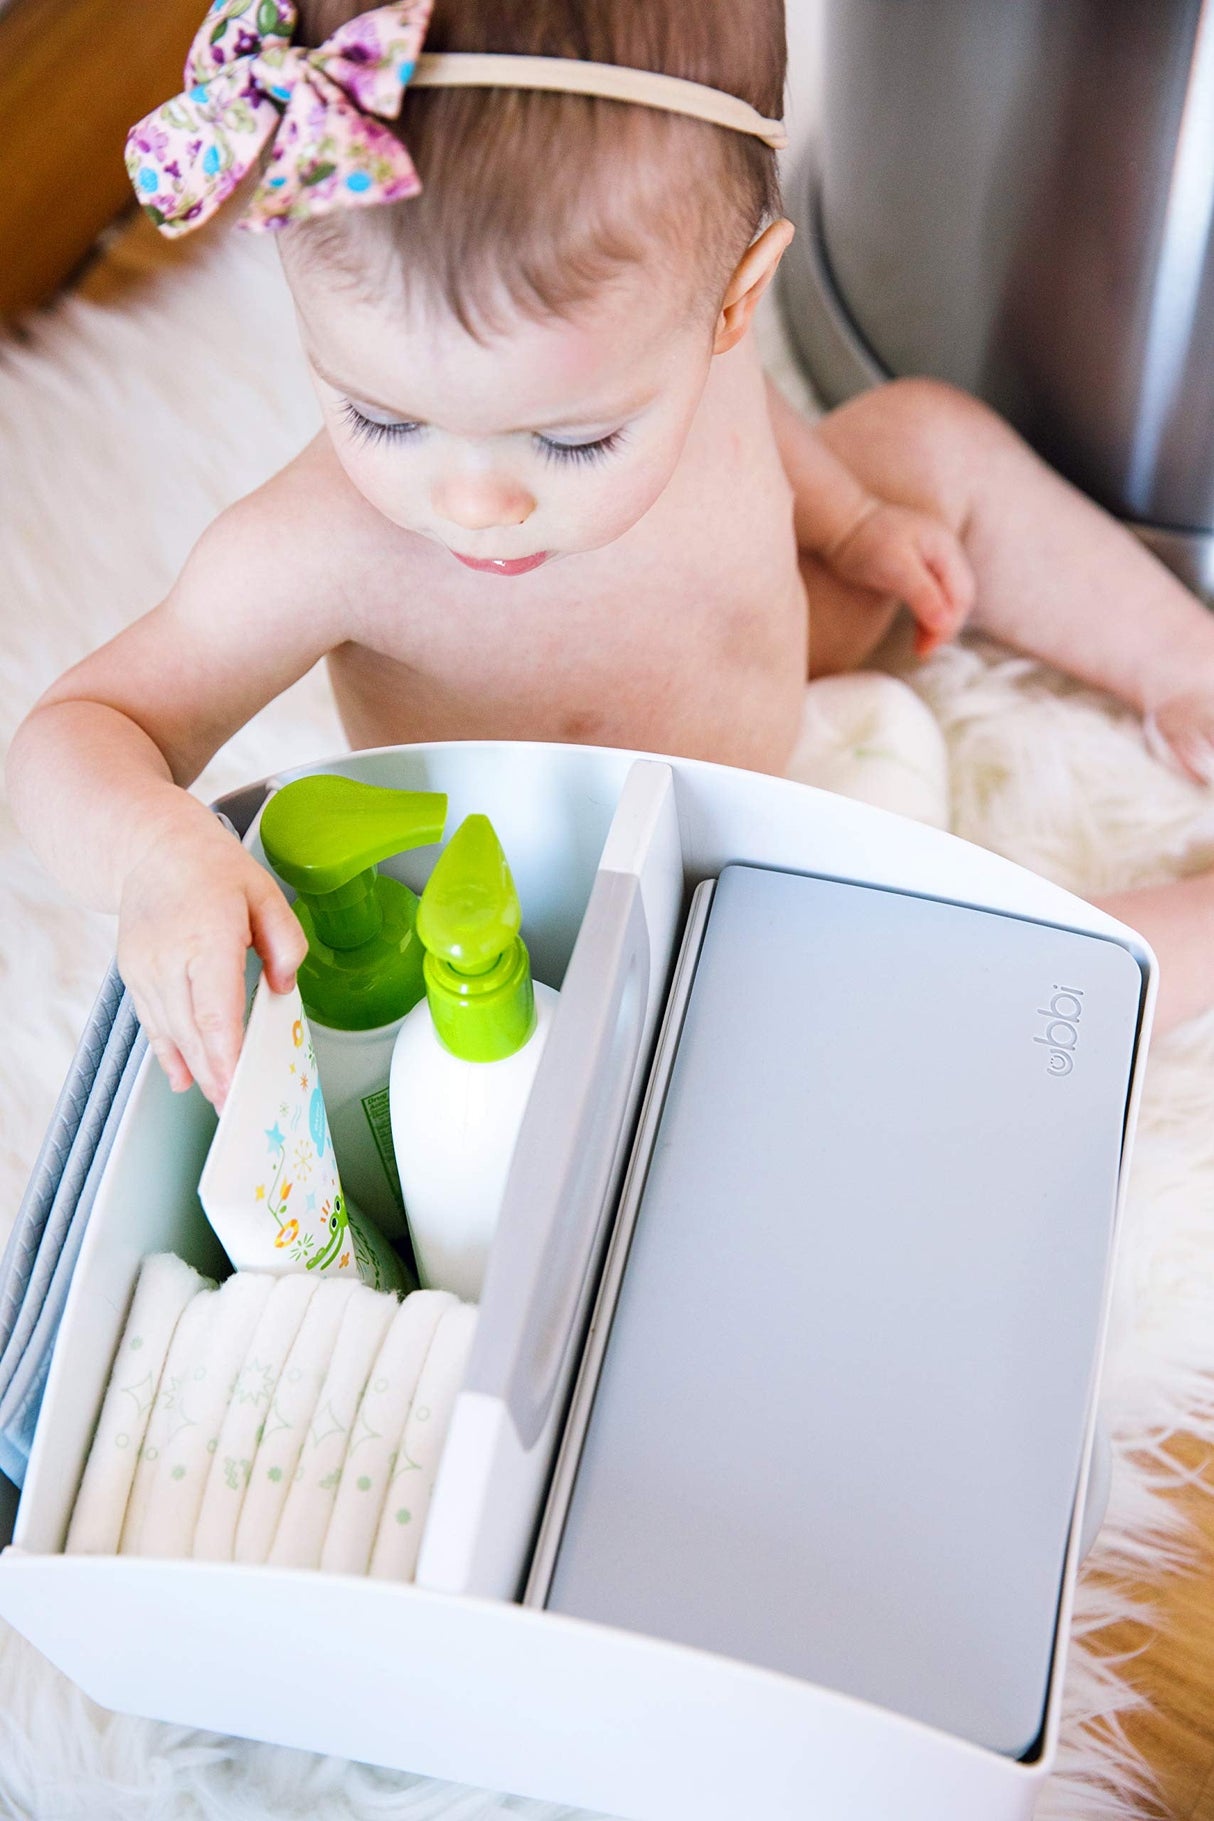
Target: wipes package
x=270 y=1186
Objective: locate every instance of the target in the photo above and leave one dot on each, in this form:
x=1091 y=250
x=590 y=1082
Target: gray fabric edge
x=21 y=1398
x=71 y=1184
x=20 y=1251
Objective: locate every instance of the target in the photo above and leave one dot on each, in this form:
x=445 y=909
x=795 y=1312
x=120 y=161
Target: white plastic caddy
x=454 y=1677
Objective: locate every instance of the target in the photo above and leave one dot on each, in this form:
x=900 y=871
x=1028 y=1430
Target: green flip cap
x=325 y=836
x=478 y=972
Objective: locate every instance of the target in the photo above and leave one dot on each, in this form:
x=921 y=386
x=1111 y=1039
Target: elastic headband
x=608 y=81
x=320 y=112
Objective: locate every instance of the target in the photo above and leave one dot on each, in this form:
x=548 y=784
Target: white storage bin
x=455 y=1678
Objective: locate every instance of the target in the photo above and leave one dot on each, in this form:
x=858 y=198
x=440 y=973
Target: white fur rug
x=124 y=427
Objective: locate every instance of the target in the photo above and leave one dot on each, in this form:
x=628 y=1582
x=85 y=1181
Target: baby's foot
x=1181 y=733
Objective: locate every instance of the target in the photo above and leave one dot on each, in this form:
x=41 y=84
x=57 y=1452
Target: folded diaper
x=299 y=1539
x=378 y=1428
x=286 y=1425
x=252 y=1396
x=184 y=1354
x=398 y=1538
x=279 y=1419
x=166 y=1285
x=200 y=1400
x=869 y=736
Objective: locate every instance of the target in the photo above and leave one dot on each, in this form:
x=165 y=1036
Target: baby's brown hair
x=536 y=199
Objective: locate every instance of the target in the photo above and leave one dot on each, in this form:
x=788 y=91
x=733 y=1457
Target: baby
x=553 y=497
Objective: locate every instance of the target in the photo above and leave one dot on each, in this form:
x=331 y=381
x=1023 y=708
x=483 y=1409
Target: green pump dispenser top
x=478 y=971
x=324 y=835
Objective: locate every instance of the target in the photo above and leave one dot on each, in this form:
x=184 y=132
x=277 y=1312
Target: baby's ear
x=752 y=275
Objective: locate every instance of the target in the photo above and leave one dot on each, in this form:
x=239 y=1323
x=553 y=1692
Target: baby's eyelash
x=596 y=451
x=369 y=430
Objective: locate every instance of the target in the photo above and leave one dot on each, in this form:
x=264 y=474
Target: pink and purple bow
x=247 y=84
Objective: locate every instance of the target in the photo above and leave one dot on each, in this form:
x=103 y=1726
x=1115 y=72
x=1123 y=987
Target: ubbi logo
x=1061 y=1034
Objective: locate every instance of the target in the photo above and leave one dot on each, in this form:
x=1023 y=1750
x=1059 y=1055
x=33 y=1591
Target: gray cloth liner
x=26 y=1361
x=68 y=1123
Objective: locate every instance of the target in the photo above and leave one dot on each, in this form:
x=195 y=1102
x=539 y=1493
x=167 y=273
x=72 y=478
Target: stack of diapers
x=283 y=1420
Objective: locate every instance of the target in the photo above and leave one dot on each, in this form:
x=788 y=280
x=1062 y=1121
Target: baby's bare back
x=687 y=635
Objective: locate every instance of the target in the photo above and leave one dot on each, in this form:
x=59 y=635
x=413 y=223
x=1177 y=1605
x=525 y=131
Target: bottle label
x=379 y=1118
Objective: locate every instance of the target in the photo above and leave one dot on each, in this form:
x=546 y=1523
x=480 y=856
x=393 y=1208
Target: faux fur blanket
x=127 y=420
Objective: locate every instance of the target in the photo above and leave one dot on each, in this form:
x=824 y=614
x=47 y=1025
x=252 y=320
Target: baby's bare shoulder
x=296 y=549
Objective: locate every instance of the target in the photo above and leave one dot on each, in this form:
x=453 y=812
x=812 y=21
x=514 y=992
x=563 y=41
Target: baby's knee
x=922 y=442
x=934 y=408
x=961 y=450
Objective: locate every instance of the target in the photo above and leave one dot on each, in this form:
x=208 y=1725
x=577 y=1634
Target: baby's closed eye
x=370 y=430
x=556 y=450
x=376 y=429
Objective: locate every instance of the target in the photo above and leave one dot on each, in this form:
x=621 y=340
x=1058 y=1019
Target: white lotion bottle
x=465 y=1059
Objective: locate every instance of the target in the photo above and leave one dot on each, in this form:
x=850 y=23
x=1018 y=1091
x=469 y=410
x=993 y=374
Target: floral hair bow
x=247 y=84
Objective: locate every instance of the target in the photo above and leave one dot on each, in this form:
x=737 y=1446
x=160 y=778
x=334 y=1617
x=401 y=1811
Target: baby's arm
x=97 y=775
x=868 y=543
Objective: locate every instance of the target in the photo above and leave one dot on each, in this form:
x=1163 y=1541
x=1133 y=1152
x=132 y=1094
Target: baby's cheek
x=621 y=501
x=391 y=493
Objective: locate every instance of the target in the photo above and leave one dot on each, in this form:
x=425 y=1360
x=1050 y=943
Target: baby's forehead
x=598 y=363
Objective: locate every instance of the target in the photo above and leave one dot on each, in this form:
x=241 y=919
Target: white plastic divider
x=561 y=1194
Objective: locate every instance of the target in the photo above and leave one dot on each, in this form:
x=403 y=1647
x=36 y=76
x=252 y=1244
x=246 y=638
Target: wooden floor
x=1175 y=1667
x=74 y=75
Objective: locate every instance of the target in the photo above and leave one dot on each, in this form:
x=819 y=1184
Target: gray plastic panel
x=840 y=1420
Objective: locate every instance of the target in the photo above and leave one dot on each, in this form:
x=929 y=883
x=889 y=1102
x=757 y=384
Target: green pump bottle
x=324 y=836
x=465 y=1059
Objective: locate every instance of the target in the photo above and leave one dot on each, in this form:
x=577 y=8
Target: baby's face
x=554 y=437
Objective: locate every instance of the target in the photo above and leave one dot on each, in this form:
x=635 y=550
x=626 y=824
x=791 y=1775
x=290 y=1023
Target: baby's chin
x=548 y=548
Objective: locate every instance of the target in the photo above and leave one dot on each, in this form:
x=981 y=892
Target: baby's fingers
x=276 y=934
x=935 y=618
x=143 y=984
x=211 y=1016
x=170 y=1059
x=1181 y=734
x=947 y=602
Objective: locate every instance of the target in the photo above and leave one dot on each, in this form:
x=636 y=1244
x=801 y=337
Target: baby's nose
x=482 y=502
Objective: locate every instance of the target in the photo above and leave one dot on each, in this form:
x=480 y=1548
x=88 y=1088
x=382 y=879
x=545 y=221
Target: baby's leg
x=1060 y=579
x=1056 y=576
x=1178 y=922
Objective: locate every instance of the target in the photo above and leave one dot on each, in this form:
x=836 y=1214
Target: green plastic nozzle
x=477 y=969
x=325 y=836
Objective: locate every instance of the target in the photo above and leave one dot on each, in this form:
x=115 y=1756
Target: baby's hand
x=191 y=907
x=1181 y=732
x=897 y=550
